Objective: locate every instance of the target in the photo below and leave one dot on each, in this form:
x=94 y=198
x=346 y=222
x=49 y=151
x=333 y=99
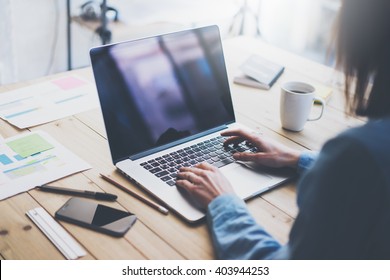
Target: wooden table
x=156 y=236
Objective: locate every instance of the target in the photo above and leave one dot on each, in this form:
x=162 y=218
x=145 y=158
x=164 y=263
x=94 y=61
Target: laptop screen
x=157 y=91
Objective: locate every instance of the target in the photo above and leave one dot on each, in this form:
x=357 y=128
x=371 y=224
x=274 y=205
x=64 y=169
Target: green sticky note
x=29 y=145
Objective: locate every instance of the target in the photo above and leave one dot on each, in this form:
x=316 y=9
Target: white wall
x=33 y=40
x=301 y=26
x=7 y=69
x=33 y=33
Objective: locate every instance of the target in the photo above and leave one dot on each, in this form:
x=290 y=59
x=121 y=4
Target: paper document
x=33 y=159
x=48 y=101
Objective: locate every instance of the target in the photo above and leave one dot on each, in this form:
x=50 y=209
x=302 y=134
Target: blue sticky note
x=4 y=159
x=19 y=157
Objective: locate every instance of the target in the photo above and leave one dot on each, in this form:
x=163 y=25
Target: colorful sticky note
x=68 y=83
x=18 y=157
x=324 y=92
x=29 y=145
x=4 y=159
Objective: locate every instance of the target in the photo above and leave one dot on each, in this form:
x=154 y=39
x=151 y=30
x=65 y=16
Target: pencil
x=143 y=199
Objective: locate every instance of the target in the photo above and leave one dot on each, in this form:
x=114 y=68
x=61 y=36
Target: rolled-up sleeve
x=235 y=233
x=306 y=161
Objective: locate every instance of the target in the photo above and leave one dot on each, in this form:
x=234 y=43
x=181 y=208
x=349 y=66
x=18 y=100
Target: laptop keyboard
x=212 y=151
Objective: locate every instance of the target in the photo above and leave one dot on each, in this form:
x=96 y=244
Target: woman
x=344 y=192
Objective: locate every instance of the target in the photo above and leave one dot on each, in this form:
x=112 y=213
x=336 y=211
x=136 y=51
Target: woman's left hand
x=203 y=182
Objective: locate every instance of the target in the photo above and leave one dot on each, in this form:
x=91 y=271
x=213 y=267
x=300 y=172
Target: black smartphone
x=96 y=216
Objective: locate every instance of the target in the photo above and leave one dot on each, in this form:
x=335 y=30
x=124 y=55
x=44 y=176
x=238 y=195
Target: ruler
x=64 y=242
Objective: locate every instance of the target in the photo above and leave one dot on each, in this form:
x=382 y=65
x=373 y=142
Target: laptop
x=165 y=101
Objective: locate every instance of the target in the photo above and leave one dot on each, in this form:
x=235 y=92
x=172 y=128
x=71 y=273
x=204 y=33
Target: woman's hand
x=203 y=182
x=270 y=153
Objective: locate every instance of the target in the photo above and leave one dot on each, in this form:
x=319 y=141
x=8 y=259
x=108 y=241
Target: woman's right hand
x=269 y=153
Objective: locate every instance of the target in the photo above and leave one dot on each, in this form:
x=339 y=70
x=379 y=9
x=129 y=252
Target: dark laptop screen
x=158 y=90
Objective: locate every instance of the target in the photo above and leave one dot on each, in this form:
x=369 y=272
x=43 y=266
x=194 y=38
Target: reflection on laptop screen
x=157 y=90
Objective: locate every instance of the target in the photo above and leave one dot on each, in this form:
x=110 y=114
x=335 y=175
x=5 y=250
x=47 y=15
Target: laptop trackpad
x=245 y=180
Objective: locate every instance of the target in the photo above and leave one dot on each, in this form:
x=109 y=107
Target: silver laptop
x=165 y=100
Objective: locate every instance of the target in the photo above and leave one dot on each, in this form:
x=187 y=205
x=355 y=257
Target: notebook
x=259 y=72
x=165 y=100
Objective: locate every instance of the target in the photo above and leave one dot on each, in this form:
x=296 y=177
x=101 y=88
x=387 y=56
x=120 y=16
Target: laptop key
x=147 y=167
x=222 y=156
x=171 y=183
x=215 y=159
x=224 y=162
x=162 y=173
x=155 y=170
x=227 y=154
x=166 y=178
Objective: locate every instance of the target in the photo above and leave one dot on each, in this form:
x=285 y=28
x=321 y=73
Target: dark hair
x=363 y=52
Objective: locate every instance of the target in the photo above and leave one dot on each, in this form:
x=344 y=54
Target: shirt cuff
x=223 y=204
x=306 y=161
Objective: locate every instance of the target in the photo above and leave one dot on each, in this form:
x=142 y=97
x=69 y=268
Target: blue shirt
x=343 y=200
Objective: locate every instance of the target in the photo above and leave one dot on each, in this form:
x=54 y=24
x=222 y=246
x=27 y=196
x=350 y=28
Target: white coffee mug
x=296 y=101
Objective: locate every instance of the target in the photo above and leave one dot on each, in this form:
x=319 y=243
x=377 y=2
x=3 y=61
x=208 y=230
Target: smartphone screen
x=96 y=216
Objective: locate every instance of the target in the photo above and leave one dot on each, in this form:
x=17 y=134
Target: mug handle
x=322 y=102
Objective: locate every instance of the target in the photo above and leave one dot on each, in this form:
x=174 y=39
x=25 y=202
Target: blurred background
x=34 y=35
